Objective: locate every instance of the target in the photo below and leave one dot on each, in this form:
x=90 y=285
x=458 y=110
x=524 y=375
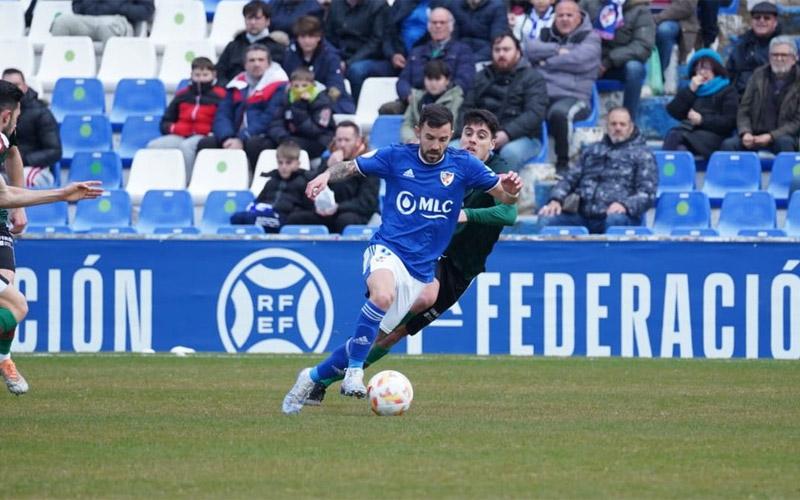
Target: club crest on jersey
x=446 y=178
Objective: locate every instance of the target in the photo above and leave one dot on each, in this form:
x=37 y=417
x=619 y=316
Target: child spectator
x=189 y=116
x=304 y=115
x=439 y=89
x=283 y=193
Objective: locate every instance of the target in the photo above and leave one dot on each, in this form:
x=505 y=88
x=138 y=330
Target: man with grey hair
x=769 y=112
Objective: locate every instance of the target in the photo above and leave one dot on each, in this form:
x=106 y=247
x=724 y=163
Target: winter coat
x=518 y=99
x=325 y=63
x=394 y=17
x=38 y=138
x=451 y=99
x=572 y=74
x=357 y=31
x=749 y=52
x=311 y=120
x=285 y=195
x=751 y=116
x=286 y=12
x=477 y=27
x=634 y=40
x=685 y=12
x=231 y=60
x=135 y=11
x=357 y=194
x=719 y=118
x=456 y=55
x=192 y=110
x=625 y=173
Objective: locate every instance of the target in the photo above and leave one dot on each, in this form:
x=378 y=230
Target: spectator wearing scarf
x=528 y=25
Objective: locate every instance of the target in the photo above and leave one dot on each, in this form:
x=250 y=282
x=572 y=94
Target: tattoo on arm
x=342 y=170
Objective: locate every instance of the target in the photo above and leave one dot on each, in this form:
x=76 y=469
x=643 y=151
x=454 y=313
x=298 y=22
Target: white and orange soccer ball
x=389 y=393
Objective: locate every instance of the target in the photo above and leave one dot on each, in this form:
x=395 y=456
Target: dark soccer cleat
x=316 y=395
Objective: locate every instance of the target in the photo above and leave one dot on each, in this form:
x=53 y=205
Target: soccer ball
x=390 y=393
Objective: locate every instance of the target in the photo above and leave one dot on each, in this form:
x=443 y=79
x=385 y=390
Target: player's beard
x=432 y=156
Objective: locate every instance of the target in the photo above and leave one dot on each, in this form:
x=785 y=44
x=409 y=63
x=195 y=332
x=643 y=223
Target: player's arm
x=14 y=197
x=507 y=189
x=498 y=215
x=16 y=178
x=334 y=173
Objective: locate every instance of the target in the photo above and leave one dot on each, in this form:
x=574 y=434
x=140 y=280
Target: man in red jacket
x=189 y=116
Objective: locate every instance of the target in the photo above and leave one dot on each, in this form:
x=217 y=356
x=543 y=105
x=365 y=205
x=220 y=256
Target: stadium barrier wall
x=551 y=298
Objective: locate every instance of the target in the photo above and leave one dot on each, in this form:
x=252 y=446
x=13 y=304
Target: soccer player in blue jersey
x=425 y=185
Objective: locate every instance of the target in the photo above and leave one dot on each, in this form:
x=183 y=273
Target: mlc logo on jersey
x=274 y=300
x=430 y=208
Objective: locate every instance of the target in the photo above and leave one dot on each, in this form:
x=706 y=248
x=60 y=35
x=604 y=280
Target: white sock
x=4 y=357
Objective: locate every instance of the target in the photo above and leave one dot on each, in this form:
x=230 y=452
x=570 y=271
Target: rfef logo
x=275 y=300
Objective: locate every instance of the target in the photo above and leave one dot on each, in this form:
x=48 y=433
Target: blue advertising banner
x=541 y=297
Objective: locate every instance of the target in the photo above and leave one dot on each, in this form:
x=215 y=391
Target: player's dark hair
x=435 y=69
x=510 y=36
x=13 y=71
x=203 y=63
x=255 y=8
x=482 y=117
x=257 y=46
x=435 y=116
x=10 y=95
x=308 y=26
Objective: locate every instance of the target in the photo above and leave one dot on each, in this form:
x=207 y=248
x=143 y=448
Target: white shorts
x=406 y=287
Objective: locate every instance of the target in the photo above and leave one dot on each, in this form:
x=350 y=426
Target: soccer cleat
x=15 y=382
x=296 y=397
x=316 y=395
x=353 y=383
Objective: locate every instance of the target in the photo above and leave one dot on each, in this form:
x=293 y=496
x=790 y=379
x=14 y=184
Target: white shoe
x=294 y=399
x=353 y=383
x=15 y=382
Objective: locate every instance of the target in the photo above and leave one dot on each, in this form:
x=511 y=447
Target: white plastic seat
x=374 y=92
x=267 y=162
x=67 y=57
x=178 y=20
x=13 y=16
x=43 y=15
x=216 y=169
x=17 y=53
x=177 y=61
x=155 y=169
x=228 y=20
x=126 y=57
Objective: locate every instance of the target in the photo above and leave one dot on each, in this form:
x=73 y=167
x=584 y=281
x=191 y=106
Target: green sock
x=376 y=353
x=7 y=328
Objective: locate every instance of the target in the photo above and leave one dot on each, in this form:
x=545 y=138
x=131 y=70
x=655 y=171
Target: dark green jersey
x=473 y=241
x=6 y=144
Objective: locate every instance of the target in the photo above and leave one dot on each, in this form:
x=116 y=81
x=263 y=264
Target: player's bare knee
x=17 y=305
x=382 y=299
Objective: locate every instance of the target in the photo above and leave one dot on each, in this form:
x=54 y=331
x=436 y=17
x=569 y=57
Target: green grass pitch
x=480 y=427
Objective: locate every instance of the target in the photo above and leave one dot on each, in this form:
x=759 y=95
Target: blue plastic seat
x=105 y=167
x=176 y=230
x=385 y=131
x=231 y=229
x=137 y=97
x=732 y=8
x=111 y=210
x=49 y=214
x=305 y=229
x=628 y=231
x=699 y=232
x=792 y=226
x=730 y=172
x=523 y=226
x=784 y=168
x=48 y=229
x=676 y=171
x=84 y=133
x=77 y=96
x=112 y=230
x=165 y=208
x=211 y=7
x=544 y=151
x=689 y=210
x=359 y=230
x=763 y=233
x=594 y=115
x=219 y=207
x=563 y=231
x=752 y=210
x=136 y=133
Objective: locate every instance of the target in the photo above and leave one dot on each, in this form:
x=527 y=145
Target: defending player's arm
x=334 y=173
x=499 y=215
x=14 y=197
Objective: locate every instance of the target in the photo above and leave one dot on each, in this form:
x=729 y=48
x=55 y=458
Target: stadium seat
x=118 y=56
x=762 y=233
x=105 y=167
x=563 y=231
x=48 y=215
x=17 y=53
x=752 y=210
x=156 y=169
x=216 y=169
x=267 y=162
x=385 y=131
x=681 y=211
x=523 y=226
x=111 y=210
x=66 y=57
x=729 y=172
x=84 y=133
x=544 y=151
x=136 y=133
x=628 y=231
x=228 y=20
x=165 y=208
x=591 y=120
x=48 y=229
x=240 y=230
x=676 y=171
x=792 y=225
x=374 y=92
x=305 y=229
x=178 y=20
x=359 y=230
x=219 y=207
x=177 y=61
x=784 y=167
x=78 y=96
x=137 y=97
x=176 y=230
x=111 y=230
x=700 y=232
x=210 y=7
x=43 y=15
x=731 y=9
x=13 y=16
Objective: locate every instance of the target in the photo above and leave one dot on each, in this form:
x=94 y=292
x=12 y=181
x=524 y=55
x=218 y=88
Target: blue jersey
x=422 y=202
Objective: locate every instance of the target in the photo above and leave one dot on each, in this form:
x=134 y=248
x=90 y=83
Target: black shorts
x=452 y=286
x=7 y=249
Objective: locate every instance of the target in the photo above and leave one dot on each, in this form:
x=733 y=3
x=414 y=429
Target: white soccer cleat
x=353 y=383
x=294 y=399
x=15 y=382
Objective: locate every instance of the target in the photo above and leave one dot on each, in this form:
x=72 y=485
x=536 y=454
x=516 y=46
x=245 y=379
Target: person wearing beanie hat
x=751 y=50
x=706 y=108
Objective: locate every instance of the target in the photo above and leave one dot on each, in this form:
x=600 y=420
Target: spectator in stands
x=707 y=13
x=406 y=25
x=676 y=21
x=568 y=56
x=517 y=94
x=38 y=140
x=310 y=50
x=538 y=14
x=257 y=16
x=286 y=12
x=706 y=108
x=457 y=55
x=439 y=89
x=628 y=32
x=355 y=199
x=769 y=112
x=751 y=50
x=303 y=115
x=282 y=195
x=102 y=19
x=478 y=22
x=614 y=183
x=355 y=27
x=243 y=117
x=189 y=116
